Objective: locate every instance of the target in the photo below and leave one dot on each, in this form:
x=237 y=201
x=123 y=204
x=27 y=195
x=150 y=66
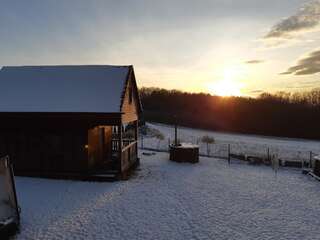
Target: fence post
x=229 y=153
x=141 y=141
x=168 y=144
x=268 y=154
x=310 y=160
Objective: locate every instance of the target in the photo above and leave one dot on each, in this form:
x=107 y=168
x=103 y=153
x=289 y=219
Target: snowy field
x=284 y=148
x=167 y=200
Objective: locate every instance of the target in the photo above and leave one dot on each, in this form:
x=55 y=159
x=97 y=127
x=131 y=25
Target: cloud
x=310 y=64
x=254 y=61
x=305 y=20
x=304 y=84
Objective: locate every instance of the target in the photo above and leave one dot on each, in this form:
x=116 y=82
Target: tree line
x=280 y=114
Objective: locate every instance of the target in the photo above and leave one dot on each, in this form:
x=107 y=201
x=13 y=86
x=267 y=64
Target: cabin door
x=94 y=148
x=99 y=146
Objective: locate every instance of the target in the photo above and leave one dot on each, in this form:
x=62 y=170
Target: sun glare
x=229 y=85
x=226 y=88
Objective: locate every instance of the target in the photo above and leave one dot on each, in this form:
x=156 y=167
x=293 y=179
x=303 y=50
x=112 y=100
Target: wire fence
x=286 y=156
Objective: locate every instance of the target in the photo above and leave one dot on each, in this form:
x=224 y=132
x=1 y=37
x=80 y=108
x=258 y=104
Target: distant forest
x=281 y=114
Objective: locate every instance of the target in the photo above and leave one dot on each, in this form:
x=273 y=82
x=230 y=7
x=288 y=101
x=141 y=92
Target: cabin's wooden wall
x=45 y=151
x=93 y=147
x=130 y=109
x=107 y=148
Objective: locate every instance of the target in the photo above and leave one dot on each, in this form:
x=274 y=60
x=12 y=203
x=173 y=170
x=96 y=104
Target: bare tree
x=160 y=138
x=207 y=140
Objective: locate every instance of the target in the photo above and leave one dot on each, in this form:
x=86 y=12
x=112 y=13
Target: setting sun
x=226 y=88
x=229 y=85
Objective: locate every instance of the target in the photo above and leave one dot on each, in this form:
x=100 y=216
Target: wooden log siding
x=120 y=147
x=136 y=134
x=28 y=120
x=45 y=151
x=130 y=103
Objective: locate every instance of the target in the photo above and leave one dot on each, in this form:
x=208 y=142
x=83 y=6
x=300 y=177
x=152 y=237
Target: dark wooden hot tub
x=316 y=169
x=184 y=152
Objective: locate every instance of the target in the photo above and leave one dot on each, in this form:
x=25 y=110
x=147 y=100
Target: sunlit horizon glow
x=230 y=83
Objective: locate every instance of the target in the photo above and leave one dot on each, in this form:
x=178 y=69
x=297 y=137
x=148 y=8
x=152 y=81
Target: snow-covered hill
x=284 y=148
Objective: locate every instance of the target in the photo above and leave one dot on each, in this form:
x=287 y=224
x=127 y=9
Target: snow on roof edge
x=45 y=71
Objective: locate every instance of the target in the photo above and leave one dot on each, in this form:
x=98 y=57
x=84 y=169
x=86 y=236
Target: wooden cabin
x=69 y=121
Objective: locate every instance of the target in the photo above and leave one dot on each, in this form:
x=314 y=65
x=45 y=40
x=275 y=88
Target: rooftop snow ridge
x=62 y=88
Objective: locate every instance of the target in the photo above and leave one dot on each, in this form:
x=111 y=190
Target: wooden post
x=229 y=154
x=136 y=136
x=175 y=134
x=310 y=160
x=142 y=142
x=268 y=154
x=120 y=145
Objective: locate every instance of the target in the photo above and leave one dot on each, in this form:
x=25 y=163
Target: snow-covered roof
x=83 y=88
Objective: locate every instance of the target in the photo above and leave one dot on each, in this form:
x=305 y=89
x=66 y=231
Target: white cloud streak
x=307 y=65
x=307 y=19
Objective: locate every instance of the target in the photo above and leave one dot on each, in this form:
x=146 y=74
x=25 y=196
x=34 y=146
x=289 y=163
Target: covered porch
x=113 y=150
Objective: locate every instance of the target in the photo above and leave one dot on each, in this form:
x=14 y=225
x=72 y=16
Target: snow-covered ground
x=284 y=148
x=167 y=200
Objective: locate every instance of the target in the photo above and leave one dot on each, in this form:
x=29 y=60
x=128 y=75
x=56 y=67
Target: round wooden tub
x=184 y=152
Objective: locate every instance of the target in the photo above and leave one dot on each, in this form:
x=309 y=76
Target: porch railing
x=129 y=155
x=125 y=142
x=129 y=152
